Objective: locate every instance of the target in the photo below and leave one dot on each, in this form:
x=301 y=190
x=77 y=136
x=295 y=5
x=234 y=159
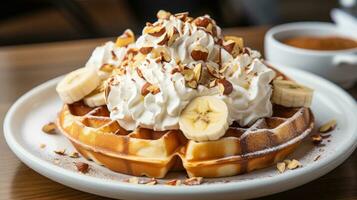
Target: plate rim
x=69 y=178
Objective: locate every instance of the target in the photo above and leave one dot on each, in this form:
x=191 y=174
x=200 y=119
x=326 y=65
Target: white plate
x=26 y=117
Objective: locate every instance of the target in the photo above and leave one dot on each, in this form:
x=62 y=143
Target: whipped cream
x=248 y=101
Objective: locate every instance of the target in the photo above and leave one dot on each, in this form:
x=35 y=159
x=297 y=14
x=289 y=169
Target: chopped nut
x=237 y=40
x=140 y=74
x=106 y=68
x=173 y=182
x=162 y=53
x=149 y=88
x=60 y=152
x=49 y=128
x=212 y=83
x=192 y=84
x=229 y=46
x=164 y=40
x=74 y=155
x=225 y=86
x=281 y=166
x=202 y=21
x=182 y=16
x=82 y=167
x=193 y=181
x=293 y=164
x=213 y=71
x=162 y=14
x=151 y=181
x=197 y=71
x=316 y=139
x=42 y=146
x=133 y=180
x=317 y=157
x=199 y=52
x=175 y=70
x=125 y=39
x=145 y=50
x=155 y=31
x=173 y=34
x=188 y=74
x=329 y=126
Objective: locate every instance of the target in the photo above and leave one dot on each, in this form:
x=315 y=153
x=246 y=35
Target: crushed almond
x=293 y=164
x=74 y=155
x=61 y=152
x=193 y=181
x=281 y=166
x=174 y=182
x=316 y=139
x=225 y=86
x=49 y=128
x=82 y=167
x=328 y=126
x=42 y=146
x=199 y=52
x=151 y=181
x=317 y=157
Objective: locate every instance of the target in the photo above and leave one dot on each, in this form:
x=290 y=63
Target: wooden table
x=23 y=67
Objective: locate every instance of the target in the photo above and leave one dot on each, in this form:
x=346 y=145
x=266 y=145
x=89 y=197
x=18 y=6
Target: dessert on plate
x=182 y=96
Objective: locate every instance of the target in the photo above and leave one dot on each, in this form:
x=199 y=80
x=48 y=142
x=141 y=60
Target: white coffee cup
x=339 y=66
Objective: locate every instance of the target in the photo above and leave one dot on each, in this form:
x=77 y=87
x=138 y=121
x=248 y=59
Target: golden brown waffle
x=153 y=153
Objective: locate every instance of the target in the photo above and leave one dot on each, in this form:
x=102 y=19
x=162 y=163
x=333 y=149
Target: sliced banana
x=290 y=94
x=97 y=99
x=77 y=85
x=204 y=118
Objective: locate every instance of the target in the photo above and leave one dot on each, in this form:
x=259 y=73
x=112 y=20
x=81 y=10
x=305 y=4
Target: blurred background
x=38 y=21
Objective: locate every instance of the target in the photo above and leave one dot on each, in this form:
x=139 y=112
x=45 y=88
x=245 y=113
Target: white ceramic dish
x=338 y=66
x=26 y=117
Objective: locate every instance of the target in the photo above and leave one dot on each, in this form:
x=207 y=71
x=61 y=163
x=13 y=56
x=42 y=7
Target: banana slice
x=290 y=94
x=97 y=99
x=204 y=118
x=77 y=84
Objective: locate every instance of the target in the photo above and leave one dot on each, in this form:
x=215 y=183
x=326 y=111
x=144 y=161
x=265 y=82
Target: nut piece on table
x=329 y=126
x=49 y=128
x=125 y=39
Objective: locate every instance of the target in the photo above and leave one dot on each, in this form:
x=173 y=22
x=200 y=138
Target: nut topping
x=197 y=71
x=162 y=14
x=155 y=31
x=199 y=52
x=225 y=86
x=192 y=84
x=145 y=50
x=327 y=127
x=49 y=128
x=173 y=34
x=149 y=88
x=125 y=39
x=213 y=71
x=74 y=155
x=202 y=21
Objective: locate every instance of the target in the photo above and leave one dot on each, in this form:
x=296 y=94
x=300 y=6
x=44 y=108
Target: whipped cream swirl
x=248 y=100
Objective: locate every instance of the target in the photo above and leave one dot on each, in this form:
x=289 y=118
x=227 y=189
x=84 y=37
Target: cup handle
x=350 y=59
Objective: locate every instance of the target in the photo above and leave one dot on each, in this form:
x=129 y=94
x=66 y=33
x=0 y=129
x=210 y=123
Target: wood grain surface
x=23 y=67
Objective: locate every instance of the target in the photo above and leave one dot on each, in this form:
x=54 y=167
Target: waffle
x=154 y=154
